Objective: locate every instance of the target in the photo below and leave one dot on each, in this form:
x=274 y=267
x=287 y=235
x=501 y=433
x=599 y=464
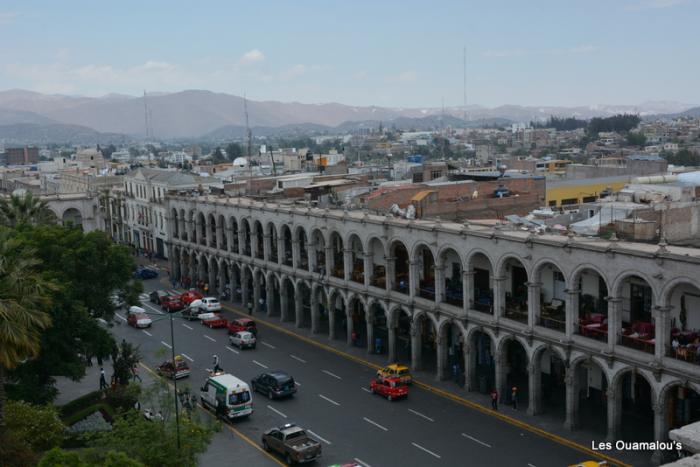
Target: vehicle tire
x=288 y=459
x=270 y=395
x=265 y=446
x=253 y=347
x=253 y=387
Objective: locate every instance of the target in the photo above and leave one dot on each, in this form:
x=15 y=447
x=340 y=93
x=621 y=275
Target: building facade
x=583 y=327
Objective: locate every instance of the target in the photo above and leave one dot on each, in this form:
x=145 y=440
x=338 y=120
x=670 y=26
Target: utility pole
x=464 y=73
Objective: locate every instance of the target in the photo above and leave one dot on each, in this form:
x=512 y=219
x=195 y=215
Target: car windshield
x=239 y=398
x=403 y=372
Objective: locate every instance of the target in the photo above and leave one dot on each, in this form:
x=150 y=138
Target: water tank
x=416 y=158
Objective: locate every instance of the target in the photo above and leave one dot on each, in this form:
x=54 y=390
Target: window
x=435 y=174
x=240 y=398
x=589 y=199
x=569 y=201
x=553 y=203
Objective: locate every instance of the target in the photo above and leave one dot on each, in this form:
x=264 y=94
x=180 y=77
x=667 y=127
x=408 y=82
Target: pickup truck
x=292 y=443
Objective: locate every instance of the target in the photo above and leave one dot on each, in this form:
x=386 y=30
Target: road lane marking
x=260 y=364
x=329 y=400
x=187 y=356
x=268 y=345
x=276 y=411
x=477 y=440
x=207 y=337
x=531 y=465
x=371 y=422
x=297 y=383
x=191 y=329
x=148 y=305
x=147 y=333
x=442 y=393
x=120 y=317
x=426 y=450
x=365 y=389
x=319 y=437
x=166 y=344
x=231 y=428
x=361 y=462
x=297 y=358
x=331 y=374
x=421 y=415
x=232 y=350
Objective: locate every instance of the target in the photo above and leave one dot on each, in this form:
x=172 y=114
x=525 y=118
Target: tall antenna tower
x=249 y=142
x=464 y=75
x=146 y=115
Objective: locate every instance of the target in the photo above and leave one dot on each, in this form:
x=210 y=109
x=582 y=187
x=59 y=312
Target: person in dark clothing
x=494 y=399
x=103 y=380
x=514 y=397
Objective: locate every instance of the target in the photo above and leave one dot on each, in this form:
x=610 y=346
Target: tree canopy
x=26 y=209
x=561 y=123
x=620 y=123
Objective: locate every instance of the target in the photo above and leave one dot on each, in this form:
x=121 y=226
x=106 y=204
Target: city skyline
x=395 y=55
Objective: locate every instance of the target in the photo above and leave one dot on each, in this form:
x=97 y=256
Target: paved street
x=333 y=402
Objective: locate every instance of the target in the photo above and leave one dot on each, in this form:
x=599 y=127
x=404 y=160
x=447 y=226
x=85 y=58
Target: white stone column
x=533 y=303
x=469 y=366
x=267 y=247
x=614 y=322
x=269 y=299
x=501 y=370
x=280 y=249
x=295 y=254
x=244 y=288
x=370 y=333
x=253 y=242
x=571 y=325
x=662 y=325
x=391 y=350
x=256 y=294
x=298 y=308
x=219 y=235
x=614 y=410
x=347 y=263
x=660 y=430
x=467 y=290
x=331 y=322
x=572 y=400
x=499 y=297
x=367 y=267
x=390 y=278
x=414 y=281
x=313 y=259
x=329 y=261
x=439 y=278
x=284 y=304
x=350 y=327
x=415 y=347
x=441 y=347
x=241 y=238
x=314 y=314
x=534 y=406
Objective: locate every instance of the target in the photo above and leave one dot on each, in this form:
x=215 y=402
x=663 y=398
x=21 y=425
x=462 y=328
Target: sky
x=388 y=53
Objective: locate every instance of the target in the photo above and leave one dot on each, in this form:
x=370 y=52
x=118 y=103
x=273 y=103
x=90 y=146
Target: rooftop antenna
x=145 y=114
x=464 y=73
x=249 y=142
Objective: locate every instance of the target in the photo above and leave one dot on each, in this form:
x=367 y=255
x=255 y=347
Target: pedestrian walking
x=378 y=345
x=206 y=288
x=135 y=373
x=250 y=308
x=217 y=368
x=103 y=380
x=514 y=397
x=261 y=303
x=354 y=338
x=494 y=399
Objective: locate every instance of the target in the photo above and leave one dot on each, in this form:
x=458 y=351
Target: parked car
x=144 y=273
x=180 y=368
x=213 y=320
x=391 y=388
x=243 y=340
x=157 y=295
x=396 y=370
x=171 y=304
x=136 y=309
x=292 y=443
x=210 y=304
x=274 y=384
x=139 y=320
x=191 y=313
x=242 y=324
x=117 y=300
x=190 y=296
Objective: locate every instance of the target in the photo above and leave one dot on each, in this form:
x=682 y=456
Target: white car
x=243 y=339
x=210 y=304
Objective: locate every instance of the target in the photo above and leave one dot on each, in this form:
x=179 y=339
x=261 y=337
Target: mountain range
x=194 y=114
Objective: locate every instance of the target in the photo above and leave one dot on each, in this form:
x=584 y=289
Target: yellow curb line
x=448 y=395
x=242 y=436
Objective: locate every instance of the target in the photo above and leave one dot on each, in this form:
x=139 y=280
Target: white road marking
x=331 y=374
x=166 y=344
x=148 y=305
x=147 y=333
x=233 y=350
x=371 y=422
x=477 y=440
x=268 y=345
x=276 y=411
x=365 y=389
x=120 y=317
x=329 y=400
x=319 y=437
x=207 y=337
x=362 y=463
x=297 y=383
x=187 y=327
x=421 y=415
x=297 y=358
x=187 y=356
x=425 y=450
x=259 y=364
x=531 y=465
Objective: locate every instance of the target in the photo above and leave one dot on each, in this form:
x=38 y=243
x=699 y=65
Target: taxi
x=392 y=388
x=396 y=370
x=190 y=296
x=590 y=464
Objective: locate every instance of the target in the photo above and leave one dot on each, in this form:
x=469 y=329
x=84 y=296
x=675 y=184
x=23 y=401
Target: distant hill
x=32 y=133
x=193 y=113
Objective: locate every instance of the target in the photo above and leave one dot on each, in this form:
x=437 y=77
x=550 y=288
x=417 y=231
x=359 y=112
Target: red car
x=213 y=321
x=391 y=388
x=139 y=320
x=172 y=304
x=242 y=324
x=190 y=296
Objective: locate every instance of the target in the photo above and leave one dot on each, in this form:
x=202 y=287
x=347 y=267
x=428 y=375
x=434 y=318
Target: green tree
x=38 y=426
x=60 y=458
x=234 y=150
x=24 y=295
x=18 y=210
x=636 y=139
x=127 y=357
x=218 y=156
x=683 y=157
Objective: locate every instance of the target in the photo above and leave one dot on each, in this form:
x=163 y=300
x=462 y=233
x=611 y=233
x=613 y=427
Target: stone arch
x=211 y=229
x=221 y=235
x=303 y=303
x=514 y=293
x=376 y=251
x=357 y=319
x=234 y=233
x=246 y=235
x=319 y=309
x=175 y=223
x=287 y=248
x=588 y=397
x=337 y=315
x=423 y=257
x=271 y=231
x=450 y=266
x=635 y=297
x=551 y=294
x=548 y=370
x=317 y=254
x=357 y=257
x=399 y=273
x=201 y=228
x=378 y=324
x=590 y=303
x=425 y=341
x=635 y=399
x=337 y=259
x=513 y=370
x=302 y=239
x=182 y=224
x=480 y=363
x=72 y=216
x=681 y=401
x=480 y=270
x=288 y=299
x=450 y=357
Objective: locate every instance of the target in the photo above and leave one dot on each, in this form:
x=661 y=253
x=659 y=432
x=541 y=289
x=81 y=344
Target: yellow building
x=563 y=193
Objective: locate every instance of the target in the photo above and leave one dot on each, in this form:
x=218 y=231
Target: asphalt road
x=333 y=402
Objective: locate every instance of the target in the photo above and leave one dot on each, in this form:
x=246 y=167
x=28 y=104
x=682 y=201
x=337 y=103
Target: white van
x=227 y=395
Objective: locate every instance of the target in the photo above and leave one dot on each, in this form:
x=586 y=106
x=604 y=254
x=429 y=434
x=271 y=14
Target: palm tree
x=25 y=209
x=24 y=294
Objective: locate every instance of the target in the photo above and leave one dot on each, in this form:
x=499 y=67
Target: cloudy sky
x=390 y=53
